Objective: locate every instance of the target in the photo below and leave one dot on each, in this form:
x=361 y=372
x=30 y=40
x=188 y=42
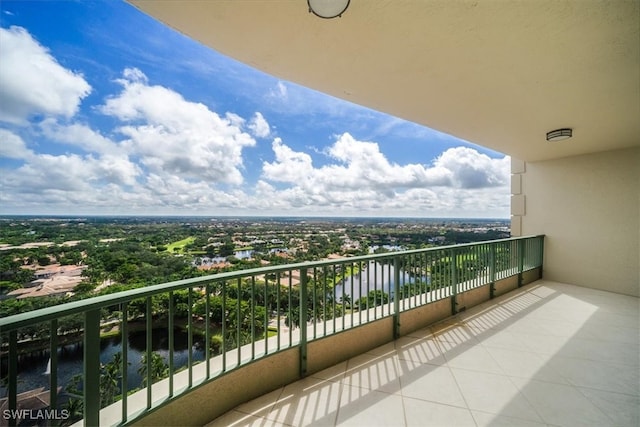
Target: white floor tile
x=599 y=375
x=419 y=413
x=495 y=394
x=377 y=373
x=525 y=365
x=483 y=419
x=307 y=402
x=562 y=405
x=622 y=409
x=420 y=350
x=546 y=354
x=262 y=405
x=361 y=407
x=432 y=383
x=240 y=419
x=468 y=356
x=332 y=373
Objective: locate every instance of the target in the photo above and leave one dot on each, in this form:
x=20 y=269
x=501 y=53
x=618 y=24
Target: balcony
x=475 y=337
x=545 y=354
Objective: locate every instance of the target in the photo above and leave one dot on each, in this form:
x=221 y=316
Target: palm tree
x=110 y=380
x=159 y=369
x=75 y=408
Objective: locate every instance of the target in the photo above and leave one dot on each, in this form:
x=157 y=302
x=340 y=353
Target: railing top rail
x=46 y=314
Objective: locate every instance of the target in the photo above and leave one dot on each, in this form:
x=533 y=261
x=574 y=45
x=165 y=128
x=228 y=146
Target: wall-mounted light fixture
x=328 y=8
x=559 y=134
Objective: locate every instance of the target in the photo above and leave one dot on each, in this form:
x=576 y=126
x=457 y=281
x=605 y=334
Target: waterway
x=374 y=276
x=32 y=367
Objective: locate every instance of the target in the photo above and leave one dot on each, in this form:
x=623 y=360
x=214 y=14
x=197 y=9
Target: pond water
x=245 y=254
x=375 y=276
x=32 y=367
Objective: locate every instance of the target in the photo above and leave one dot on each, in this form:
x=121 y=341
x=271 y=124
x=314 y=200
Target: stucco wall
x=588 y=207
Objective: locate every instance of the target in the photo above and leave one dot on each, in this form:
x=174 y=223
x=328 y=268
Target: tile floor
x=548 y=354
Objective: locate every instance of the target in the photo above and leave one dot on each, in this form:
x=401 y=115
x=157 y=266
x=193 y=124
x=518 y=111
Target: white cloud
x=259 y=126
x=289 y=166
x=71 y=173
x=79 y=135
x=361 y=180
x=12 y=146
x=23 y=90
x=174 y=136
x=279 y=93
x=168 y=155
x=470 y=169
x=361 y=165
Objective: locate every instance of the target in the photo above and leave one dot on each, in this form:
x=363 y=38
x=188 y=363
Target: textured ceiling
x=495 y=72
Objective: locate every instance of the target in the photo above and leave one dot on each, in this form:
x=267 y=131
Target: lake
x=32 y=367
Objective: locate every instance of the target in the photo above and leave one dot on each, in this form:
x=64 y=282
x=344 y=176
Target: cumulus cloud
x=23 y=90
x=79 y=135
x=362 y=180
x=360 y=165
x=167 y=154
x=289 y=166
x=174 y=136
x=259 y=126
x=470 y=169
x=12 y=146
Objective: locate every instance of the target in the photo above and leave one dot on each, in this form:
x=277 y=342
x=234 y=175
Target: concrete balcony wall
x=588 y=207
x=214 y=398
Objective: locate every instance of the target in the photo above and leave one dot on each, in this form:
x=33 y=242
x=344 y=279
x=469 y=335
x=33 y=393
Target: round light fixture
x=559 y=134
x=328 y=9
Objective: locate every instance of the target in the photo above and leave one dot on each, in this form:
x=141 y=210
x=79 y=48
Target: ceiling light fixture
x=328 y=9
x=559 y=134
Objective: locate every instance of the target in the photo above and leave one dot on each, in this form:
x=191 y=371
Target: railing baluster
x=149 y=346
x=454 y=280
x=13 y=375
x=124 y=343
x=53 y=367
x=314 y=297
x=91 y=369
x=278 y=334
x=171 y=349
x=520 y=261
x=291 y=311
x=190 y=335
x=324 y=300
x=359 y=293
x=333 y=287
x=267 y=310
x=375 y=287
x=238 y=322
x=303 y=322
x=207 y=330
x=253 y=317
x=396 y=297
x=223 y=320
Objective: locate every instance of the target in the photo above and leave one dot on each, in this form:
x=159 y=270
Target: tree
x=373 y=299
x=227 y=248
x=110 y=379
x=159 y=369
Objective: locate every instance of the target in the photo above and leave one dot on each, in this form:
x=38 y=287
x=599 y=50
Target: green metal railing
x=238 y=317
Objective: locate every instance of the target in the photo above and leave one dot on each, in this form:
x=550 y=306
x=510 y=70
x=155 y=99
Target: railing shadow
x=475 y=344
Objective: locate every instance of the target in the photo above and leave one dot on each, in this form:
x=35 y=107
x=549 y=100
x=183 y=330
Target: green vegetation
x=125 y=253
x=179 y=246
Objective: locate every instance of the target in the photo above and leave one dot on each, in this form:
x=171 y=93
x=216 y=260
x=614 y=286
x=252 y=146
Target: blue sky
x=103 y=110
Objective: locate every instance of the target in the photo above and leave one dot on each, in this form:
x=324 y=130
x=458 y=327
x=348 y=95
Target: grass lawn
x=178 y=247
